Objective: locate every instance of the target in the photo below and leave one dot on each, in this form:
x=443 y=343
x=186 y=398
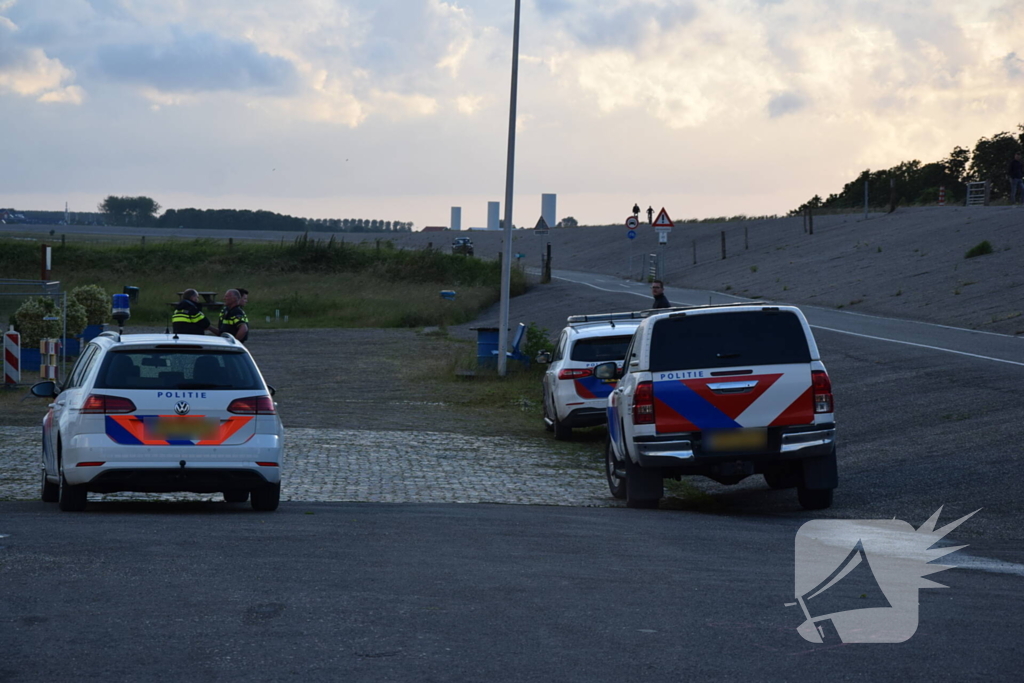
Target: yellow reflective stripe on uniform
x=183 y=317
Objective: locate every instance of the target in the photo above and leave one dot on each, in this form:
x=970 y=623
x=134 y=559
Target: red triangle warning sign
x=663 y=221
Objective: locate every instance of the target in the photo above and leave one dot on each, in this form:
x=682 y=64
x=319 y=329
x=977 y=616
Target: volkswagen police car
x=573 y=396
x=726 y=392
x=161 y=413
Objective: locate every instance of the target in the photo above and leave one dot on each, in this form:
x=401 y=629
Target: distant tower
x=67 y=216
x=493 y=223
x=547 y=209
x=456 y=218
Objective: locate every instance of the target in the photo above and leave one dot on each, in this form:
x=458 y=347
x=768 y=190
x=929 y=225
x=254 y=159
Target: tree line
x=142 y=212
x=917 y=183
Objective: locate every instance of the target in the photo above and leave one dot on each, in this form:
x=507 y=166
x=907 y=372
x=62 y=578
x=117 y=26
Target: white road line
x=923 y=346
x=984 y=564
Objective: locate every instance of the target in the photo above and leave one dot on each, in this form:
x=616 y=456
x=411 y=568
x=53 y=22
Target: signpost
x=631 y=234
x=663 y=224
x=632 y=223
x=542 y=226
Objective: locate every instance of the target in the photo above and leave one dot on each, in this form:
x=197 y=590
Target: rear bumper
x=208 y=478
x=586 y=417
x=685 y=455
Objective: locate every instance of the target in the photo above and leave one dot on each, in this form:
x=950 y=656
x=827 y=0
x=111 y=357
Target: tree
x=991 y=158
x=134 y=211
x=956 y=164
x=568 y=222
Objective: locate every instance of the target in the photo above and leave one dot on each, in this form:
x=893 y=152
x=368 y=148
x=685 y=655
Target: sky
x=399 y=109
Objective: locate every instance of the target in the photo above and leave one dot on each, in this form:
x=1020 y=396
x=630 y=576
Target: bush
x=537 y=340
x=979 y=249
x=32 y=327
x=95 y=301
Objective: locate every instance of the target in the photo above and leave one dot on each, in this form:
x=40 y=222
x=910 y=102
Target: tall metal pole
x=506 y=261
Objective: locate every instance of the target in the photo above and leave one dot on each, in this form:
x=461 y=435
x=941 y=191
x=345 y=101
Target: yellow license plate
x=188 y=427
x=733 y=440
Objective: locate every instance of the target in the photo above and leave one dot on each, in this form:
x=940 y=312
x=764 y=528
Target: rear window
x=725 y=340
x=177 y=369
x=600 y=349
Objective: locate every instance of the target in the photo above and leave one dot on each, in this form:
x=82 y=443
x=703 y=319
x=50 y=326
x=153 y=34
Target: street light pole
x=506 y=260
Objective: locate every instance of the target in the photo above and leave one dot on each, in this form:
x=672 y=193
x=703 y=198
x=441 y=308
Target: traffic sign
x=663 y=237
x=631 y=234
x=632 y=223
x=541 y=224
x=663 y=221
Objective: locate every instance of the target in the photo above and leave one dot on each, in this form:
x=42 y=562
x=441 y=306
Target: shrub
x=537 y=340
x=32 y=327
x=95 y=301
x=979 y=249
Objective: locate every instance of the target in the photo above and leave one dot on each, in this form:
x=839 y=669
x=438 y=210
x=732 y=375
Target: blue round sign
x=631 y=234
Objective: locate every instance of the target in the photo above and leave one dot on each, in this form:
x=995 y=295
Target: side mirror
x=44 y=389
x=606 y=371
x=543 y=357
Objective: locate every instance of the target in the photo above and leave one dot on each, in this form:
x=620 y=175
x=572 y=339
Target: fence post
x=547 y=265
x=988 y=191
x=723 y=245
x=892 y=195
x=231 y=243
x=746 y=238
x=865 y=200
x=695 y=252
x=810 y=220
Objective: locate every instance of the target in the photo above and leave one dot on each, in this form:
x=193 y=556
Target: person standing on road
x=658 y=292
x=188 y=317
x=233 y=319
x=1016 y=173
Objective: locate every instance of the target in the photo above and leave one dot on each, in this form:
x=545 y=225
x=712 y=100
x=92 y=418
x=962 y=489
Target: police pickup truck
x=726 y=392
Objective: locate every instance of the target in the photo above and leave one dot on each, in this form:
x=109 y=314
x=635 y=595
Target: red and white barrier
x=12 y=357
x=48 y=349
x=942 y=195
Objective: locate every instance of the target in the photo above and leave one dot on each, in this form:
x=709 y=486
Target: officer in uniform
x=188 y=317
x=233 y=319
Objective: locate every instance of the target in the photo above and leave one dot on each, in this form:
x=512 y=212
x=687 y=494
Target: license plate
x=734 y=440
x=188 y=427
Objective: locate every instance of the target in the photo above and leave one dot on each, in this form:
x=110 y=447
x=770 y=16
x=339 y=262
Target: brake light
x=575 y=373
x=99 y=463
x=253 y=405
x=643 y=404
x=104 y=405
x=822 y=391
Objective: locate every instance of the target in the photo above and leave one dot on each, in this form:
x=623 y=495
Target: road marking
x=985 y=564
x=923 y=346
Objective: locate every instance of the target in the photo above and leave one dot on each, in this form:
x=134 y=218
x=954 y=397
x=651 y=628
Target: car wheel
x=266 y=498
x=814 y=499
x=236 y=496
x=549 y=424
x=616 y=484
x=50 y=492
x=782 y=478
x=71 y=498
x=562 y=433
x=644 y=487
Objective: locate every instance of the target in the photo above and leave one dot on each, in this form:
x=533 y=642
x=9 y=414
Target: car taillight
x=253 y=405
x=575 y=373
x=822 y=391
x=100 y=404
x=643 y=404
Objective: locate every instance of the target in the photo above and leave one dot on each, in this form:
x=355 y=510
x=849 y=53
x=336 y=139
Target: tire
x=644 y=487
x=562 y=433
x=814 y=499
x=266 y=498
x=50 y=492
x=71 y=498
x=617 y=485
x=236 y=496
x=782 y=479
x=547 y=426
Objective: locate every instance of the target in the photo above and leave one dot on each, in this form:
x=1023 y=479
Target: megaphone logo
x=857 y=580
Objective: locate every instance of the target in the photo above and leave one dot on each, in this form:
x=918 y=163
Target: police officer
x=188 y=317
x=233 y=319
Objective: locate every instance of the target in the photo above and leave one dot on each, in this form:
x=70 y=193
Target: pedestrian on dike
x=1016 y=173
x=188 y=317
x=658 y=292
x=233 y=319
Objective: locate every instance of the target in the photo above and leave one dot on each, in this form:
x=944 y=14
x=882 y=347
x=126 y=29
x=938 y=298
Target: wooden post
x=746 y=237
x=547 y=265
x=810 y=220
x=723 y=245
x=231 y=243
x=892 y=195
x=62 y=240
x=804 y=216
x=143 y=240
x=695 y=252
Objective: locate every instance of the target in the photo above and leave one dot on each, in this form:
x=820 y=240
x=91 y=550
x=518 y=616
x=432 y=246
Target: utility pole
x=506 y=263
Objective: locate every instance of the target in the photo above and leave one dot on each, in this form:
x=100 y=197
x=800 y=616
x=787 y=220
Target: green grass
x=316 y=284
x=979 y=249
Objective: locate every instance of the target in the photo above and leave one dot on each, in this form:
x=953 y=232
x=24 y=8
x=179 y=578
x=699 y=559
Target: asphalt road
x=361 y=592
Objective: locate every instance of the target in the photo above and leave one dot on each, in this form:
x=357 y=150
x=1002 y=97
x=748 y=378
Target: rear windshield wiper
x=199 y=385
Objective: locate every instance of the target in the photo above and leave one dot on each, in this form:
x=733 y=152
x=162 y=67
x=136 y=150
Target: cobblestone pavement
x=380 y=466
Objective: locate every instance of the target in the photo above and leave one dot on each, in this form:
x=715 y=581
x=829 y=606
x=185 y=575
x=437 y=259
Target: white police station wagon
x=573 y=396
x=161 y=413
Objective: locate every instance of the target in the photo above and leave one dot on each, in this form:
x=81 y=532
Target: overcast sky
x=398 y=109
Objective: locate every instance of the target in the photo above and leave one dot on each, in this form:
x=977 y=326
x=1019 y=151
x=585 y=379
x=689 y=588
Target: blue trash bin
x=486 y=347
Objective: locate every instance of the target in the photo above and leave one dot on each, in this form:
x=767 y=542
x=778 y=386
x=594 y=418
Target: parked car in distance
x=161 y=413
x=726 y=392
x=573 y=396
x=462 y=245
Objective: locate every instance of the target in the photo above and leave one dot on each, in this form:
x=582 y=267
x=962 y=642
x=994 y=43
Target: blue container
x=487 y=347
x=91 y=332
x=72 y=347
x=30 y=361
x=448 y=294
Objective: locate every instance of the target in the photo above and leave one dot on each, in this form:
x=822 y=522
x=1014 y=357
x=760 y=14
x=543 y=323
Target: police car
x=573 y=396
x=725 y=392
x=162 y=413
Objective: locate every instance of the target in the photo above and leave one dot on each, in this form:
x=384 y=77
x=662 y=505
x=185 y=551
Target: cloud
x=197 y=62
x=785 y=103
x=29 y=72
x=1014 y=66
